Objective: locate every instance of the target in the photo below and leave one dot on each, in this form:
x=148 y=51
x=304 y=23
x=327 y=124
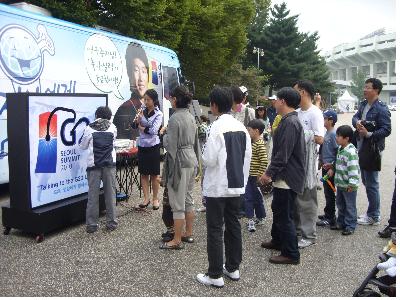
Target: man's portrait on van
x=137 y=67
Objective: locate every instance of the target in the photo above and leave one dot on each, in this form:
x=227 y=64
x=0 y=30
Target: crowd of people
x=284 y=145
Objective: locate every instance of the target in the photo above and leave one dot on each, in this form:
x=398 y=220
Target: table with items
x=127 y=172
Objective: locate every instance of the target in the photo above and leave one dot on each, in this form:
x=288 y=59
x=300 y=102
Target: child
x=202 y=130
x=99 y=139
x=347 y=177
x=253 y=197
x=327 y=160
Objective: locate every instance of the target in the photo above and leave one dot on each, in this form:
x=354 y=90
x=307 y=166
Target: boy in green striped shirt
x=347 y=177
x=253 y=198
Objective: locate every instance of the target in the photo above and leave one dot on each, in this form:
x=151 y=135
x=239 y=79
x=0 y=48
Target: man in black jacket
x=287 y=172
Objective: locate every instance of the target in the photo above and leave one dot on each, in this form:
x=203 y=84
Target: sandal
x=172 y=247
x=188 y=239
x=155 y=207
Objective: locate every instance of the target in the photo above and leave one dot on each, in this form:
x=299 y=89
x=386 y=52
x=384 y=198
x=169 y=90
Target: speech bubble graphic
x=103 y=64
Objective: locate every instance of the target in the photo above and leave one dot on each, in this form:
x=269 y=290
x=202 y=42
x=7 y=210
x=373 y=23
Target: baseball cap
x=244 y=90
x=330 y=115
x=273 y=97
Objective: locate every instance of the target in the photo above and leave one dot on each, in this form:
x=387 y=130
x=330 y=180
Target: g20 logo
x=47 y=152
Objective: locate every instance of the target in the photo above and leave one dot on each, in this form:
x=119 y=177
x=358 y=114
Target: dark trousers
x=283 y=230
x=220 y=211
x=330 y=199
x=392 y=219
x=253 y=199
x=167 y=215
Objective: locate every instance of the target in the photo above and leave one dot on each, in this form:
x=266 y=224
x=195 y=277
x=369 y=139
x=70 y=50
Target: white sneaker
x=303 y=243
x=368 y=221
x=206 y=280
x=251 y=227
x=235 y=276
x=363 y=216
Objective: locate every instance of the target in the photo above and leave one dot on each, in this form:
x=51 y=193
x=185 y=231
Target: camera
x=369 y=125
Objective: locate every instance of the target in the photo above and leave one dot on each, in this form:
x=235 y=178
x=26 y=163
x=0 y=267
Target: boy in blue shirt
x=327 y=161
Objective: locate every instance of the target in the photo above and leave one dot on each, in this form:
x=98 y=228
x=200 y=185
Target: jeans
x=283 y=230
x=220 y=211
x=330 y=198
x=347 y=210
x=253 y=199
x=95 y=176
x=371 y=183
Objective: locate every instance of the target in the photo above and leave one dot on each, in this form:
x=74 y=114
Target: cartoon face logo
x=21 y=53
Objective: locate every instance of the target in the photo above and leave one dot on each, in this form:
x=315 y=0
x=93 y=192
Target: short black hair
x=257 y=124
x=182 y=95
x=290 y=95
x=103 y=112
x=345 y=131
x=306 y=85
x=152 y=93
x=222 y=97
x=204 y=118
x=237 y=93
x=134 y=50
x=376 y=84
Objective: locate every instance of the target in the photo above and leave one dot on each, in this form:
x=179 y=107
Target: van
x=42 y=54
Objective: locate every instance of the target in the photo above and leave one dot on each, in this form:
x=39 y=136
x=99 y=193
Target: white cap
x=244 y=90
x=273 y=97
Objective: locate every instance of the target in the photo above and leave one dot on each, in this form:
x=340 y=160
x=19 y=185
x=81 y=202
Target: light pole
x=259 y=52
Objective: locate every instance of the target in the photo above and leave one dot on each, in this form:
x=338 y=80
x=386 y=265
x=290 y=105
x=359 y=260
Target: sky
x=342 y=21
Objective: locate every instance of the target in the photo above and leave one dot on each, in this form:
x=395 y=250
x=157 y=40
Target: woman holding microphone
x=149 y=120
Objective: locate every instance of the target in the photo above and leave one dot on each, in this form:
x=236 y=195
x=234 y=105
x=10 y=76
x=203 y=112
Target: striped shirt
x=259 y=158
x=347 y=172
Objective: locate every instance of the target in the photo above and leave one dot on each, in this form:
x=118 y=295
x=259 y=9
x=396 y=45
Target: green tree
x=291 y=55
x=78 y=11
x=213 y=40
x=252 y=78
x=357 y=85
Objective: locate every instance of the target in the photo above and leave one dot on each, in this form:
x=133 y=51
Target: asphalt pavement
x=128 y=262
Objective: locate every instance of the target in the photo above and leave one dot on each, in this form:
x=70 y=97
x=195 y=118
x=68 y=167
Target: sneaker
x=303 y=243
x=333 y=225
x=235 y=276
x=321 y=217
x=201 y=209
x=368 y=221
x=347 y=232
x=91 y=228
x=259 y=222
x=386 y=232
x=323 y=222
x=251 y=226
x=206 y=280
x=363 y=216
x=111 y=227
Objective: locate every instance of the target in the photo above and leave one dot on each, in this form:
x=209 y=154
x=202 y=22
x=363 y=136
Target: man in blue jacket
x=373 y=125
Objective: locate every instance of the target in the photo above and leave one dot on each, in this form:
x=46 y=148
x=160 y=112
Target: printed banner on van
x=57 y=164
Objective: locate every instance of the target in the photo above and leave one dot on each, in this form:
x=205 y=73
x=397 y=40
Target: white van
x=41 y=54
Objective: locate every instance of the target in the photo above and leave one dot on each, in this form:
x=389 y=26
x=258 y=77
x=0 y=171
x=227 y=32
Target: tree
x=252 y=78
x=213 y=40
x=256 y=27
x=291 y=55
x=357 y=85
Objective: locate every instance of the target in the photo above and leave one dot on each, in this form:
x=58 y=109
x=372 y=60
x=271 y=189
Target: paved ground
x=127 y=262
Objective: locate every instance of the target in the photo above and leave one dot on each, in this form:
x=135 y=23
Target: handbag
x=370 y=157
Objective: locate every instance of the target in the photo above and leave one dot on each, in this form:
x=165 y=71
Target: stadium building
x=374 y=54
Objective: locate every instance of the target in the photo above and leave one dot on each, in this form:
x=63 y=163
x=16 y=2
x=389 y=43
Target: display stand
x=62 y=197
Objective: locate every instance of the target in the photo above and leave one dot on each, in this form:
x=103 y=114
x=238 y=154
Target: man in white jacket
x=226 y=156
